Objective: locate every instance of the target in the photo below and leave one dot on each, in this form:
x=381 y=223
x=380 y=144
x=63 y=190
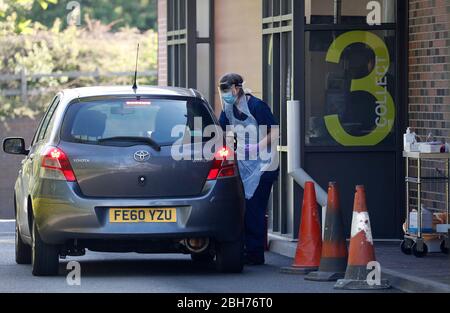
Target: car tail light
x=224 y=165
x=56 y=165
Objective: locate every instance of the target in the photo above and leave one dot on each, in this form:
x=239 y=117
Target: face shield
x=221 y=98
x=226 y=92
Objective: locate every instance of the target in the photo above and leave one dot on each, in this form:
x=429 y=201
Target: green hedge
x=93 y=47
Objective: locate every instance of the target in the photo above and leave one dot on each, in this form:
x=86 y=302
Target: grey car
x=100 y=175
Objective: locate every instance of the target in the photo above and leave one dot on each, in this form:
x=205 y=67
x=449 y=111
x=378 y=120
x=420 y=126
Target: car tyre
x=45 y=258
x=230 y=256
x=23 y=251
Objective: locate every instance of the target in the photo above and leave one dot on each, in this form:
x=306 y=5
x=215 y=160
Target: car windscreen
x=162 y=121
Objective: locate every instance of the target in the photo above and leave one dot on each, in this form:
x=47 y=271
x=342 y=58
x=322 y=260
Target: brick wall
x=429 y=80
x=162 y=42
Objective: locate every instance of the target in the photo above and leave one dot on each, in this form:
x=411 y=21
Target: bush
x=88 y=49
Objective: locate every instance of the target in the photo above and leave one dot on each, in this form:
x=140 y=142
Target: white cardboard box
x=412 y=147
x=430 y=148
x=442 y=228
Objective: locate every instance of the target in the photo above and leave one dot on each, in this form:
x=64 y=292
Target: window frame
x=37 y=134
x=299 y=28
x=395 y=95
x=338 y=15
x=51 y=121
x=182 y=42
x=400 y=80
x=277 y=38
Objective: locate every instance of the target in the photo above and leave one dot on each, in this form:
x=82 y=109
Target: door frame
x=299 y=29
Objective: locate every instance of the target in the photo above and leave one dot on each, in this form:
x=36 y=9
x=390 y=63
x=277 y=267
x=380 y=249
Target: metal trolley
x=416 y=243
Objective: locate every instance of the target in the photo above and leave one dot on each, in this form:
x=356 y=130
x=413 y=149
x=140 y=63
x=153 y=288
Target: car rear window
x=92 y=121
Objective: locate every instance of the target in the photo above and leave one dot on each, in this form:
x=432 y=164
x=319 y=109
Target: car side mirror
x=15 y=146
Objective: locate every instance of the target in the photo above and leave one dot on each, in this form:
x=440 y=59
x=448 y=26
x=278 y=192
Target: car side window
x=44 y=122
x=50 y=121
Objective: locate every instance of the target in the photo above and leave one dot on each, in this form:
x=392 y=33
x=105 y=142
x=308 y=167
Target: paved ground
x=155 y=273
x=408 y=273
x=435 y=267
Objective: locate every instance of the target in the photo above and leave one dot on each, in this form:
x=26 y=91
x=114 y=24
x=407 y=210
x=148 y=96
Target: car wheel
x=44 y=257
x=23 y=251
x=230 y=256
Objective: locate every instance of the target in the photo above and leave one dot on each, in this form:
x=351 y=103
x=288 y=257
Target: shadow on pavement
x=149 y=267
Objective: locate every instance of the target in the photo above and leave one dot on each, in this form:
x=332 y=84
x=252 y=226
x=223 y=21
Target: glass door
x=354 y=112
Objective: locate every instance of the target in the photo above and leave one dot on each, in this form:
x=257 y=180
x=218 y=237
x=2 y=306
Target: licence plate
x=121 y=215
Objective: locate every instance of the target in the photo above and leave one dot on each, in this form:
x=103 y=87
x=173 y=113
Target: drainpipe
x=294 y=151
x=337 y=11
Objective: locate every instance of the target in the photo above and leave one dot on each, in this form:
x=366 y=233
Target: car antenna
x=135 y=86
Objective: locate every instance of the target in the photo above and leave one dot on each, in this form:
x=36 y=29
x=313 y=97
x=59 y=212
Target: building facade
x=363 y=71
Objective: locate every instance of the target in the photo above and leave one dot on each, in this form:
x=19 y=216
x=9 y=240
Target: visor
x=226 y=86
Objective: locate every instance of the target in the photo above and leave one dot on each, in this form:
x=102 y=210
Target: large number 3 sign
x=375 y=84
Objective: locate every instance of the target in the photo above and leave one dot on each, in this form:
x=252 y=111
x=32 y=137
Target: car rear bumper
x=63 y=214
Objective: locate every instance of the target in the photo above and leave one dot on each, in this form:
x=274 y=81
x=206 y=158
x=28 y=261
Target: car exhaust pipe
x=196 y=245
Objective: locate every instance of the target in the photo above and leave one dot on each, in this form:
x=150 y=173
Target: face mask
x=228 y=98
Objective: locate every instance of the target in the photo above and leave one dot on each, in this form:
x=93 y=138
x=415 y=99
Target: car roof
x=99 y=91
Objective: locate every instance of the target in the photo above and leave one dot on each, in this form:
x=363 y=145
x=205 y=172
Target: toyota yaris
x=100 y=174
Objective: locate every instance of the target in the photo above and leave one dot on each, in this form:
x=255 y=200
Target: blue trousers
x=255 y=218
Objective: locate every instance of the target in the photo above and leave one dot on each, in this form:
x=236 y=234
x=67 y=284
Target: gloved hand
x=252 y=148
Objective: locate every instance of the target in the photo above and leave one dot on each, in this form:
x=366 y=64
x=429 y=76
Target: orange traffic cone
x=361 y=268
x=334 y=246
x=307 y=257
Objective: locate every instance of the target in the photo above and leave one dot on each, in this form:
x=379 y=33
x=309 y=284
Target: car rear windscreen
x=93 y=121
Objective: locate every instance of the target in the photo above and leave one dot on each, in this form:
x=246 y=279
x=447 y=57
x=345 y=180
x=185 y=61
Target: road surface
x=123 y=273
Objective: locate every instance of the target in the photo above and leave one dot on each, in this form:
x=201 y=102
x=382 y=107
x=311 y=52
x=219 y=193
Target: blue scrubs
x=256 y=207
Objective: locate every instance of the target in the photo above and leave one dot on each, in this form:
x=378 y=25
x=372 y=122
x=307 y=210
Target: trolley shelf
x=416 y=243
x=415 y=180
x=426 y=156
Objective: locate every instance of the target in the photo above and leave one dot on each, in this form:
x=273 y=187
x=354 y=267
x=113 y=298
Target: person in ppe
x=245 y=115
